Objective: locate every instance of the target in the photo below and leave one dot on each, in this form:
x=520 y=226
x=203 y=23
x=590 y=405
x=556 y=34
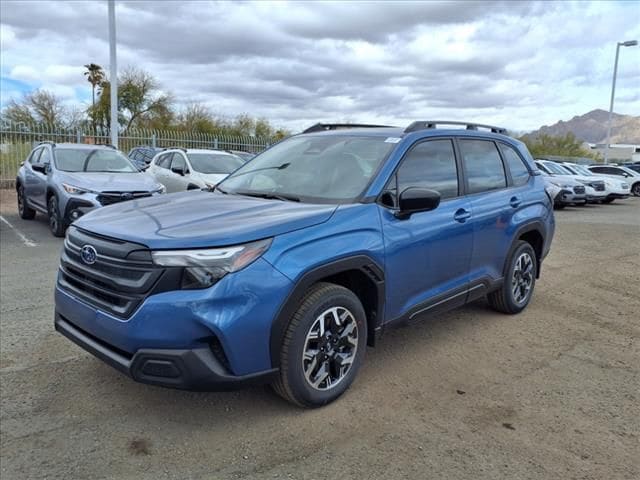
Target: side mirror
x=178 y=170
x=44 y=168
x=416 y=199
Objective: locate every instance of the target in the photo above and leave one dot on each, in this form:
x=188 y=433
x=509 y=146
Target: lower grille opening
x=110 y=299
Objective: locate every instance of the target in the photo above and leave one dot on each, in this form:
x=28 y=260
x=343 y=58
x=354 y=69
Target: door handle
x=515 y=202
x=461 y=215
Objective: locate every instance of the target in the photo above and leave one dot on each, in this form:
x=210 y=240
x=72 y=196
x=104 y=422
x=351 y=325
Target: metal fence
x=17 y=140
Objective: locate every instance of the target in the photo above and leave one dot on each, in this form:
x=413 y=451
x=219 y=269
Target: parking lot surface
x=550 y=393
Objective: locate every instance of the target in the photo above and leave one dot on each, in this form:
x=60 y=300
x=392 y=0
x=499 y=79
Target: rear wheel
x=56 y=223
x=635 y=189
x=519 y=281
x=23 y=209
x=323 y=346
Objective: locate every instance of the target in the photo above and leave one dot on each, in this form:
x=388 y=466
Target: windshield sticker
x=392 y=140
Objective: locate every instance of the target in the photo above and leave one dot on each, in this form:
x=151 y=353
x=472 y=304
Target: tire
x=608 y=200
x=505 y=300
x=635 y=189
x=345 y=341
x=559 y=206
x=24 y=211
x=56 y=222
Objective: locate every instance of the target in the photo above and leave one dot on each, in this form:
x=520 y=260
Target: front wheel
x=635 y=189
x=608 y=200
x=323 y=346
x=519 y=281
x=56 y=223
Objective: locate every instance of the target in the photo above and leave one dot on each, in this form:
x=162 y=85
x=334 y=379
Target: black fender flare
x=531 y=226
x=363 y=263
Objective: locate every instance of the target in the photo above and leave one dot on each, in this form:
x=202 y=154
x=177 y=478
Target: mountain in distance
x=592 y=128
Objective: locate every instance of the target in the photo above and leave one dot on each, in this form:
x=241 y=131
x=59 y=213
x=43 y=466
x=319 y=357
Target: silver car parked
x=65 y=181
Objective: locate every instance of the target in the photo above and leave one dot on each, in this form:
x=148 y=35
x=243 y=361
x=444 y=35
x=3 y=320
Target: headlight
x=74 y=190
x=561 y=185
x=204 y=267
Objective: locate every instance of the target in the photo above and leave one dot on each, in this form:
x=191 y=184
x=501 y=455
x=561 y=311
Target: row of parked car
x=65 y=181
x=574 y=184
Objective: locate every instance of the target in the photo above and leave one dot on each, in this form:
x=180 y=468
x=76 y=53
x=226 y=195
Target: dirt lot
x=551 y=393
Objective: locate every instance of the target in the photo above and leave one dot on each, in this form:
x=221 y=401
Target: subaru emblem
x=88 y=254
x=126 y=196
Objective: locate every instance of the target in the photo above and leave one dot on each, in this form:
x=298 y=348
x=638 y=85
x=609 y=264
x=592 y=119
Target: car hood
x=568 y=179
x=213 y=178
x=198 y=219
x=110 y=182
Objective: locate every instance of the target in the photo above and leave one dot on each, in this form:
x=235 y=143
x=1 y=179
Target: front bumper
x=190 y=369
x=567 y=197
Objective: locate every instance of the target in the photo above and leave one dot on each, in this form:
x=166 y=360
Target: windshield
x=582 y=170
x=214 y=162
x=556 y=169
x=332 y=169
x=92 y=160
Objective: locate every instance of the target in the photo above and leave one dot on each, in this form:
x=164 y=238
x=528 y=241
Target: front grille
x=578 y=189
x=109 y=198
x=122 y=276
x=597 y=186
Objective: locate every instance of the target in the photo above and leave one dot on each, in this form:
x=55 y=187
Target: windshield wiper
x=277 y=167
x=269 y=196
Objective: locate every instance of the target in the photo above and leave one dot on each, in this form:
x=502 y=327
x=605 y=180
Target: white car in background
x=597 y=189
x=621 y=173
x=567 y=191
x=180 y=169
x=616 y=189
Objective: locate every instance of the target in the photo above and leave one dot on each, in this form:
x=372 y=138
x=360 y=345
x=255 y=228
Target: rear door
x=427 y=254
x=158 y=169
x=494 y=201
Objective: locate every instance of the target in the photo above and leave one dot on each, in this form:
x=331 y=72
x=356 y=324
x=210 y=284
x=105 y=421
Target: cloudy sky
x=515 y=64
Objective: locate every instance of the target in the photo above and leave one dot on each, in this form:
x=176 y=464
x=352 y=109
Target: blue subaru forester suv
x=302 y=257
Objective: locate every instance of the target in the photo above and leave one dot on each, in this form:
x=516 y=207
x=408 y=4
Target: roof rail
x=47 y=142
x=426 y=124
x=322 y=127
x=177 y=148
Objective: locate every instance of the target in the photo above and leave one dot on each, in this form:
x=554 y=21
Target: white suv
x=180 y=169
x=620 y=173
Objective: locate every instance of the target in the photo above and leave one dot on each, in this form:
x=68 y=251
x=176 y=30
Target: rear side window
x=432 y=165
x=519 y=171
x=483 y=165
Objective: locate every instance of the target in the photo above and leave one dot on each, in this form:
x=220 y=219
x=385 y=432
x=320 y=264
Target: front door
x=426 y=255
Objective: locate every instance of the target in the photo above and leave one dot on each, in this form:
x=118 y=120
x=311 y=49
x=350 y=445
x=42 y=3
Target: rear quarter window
x=519 y=171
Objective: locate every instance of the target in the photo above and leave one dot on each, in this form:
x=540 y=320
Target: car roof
x=78 y=146
x=397 y=132
x=199 y=150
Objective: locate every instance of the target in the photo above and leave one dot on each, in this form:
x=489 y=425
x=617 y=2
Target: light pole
x=628 y=43
x=113 y=73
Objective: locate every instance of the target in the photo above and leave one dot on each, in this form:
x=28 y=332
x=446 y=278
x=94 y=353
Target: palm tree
x=95 y=76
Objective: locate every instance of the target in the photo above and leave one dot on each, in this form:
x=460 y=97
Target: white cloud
x=518 y=64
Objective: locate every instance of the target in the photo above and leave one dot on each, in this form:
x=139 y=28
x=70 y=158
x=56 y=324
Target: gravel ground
x=551 y=393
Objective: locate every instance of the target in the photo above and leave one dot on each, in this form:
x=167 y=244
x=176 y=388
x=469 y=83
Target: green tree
x=38 y=107
x=140 y=98
x=95 y=76
x=566 y=146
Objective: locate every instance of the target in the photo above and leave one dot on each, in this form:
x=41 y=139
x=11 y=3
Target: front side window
x=45 y=157
x=519 y=171
x=431 y=165
x=178 y=162
x=483 y=165
x=93 y=160
x=163 y=161
x=214 y=162
x=554 y=168
x=34 y=158
x=314 y=168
